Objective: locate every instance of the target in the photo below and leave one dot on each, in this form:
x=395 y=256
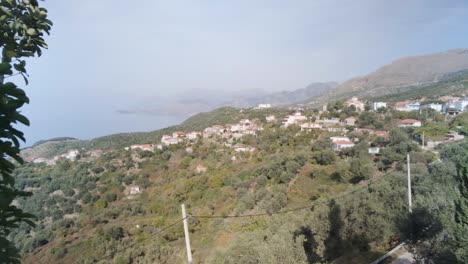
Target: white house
x=168 y=140
x=377 y=105
x=436 y=107
x=201 y=168
x=374 y=150
x=342 y=144
x=410 y=123
x=178 y=134
x=335 y=129
x=294 y=119
x=310 y=126
x=270 y=118
x=193 y=135
x=407 y=106
x=263 y=106
x=71 y=154
x=329 y=122
x=242 y=148
x=354 y=101
x=462 y=105
x=454 y=136
x=237 y=128
x=146 y=147
x=132 y=190
x=336 y=139
x=350 y=121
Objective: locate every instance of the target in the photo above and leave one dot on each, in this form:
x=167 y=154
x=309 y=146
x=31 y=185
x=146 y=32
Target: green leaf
x=5 y=68
x=4 y=9
x=22 y=119
x=11 y=53
x=31 y=32
x=26 y=81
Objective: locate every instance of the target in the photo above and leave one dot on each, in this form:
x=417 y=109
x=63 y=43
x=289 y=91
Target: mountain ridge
x=408 y=71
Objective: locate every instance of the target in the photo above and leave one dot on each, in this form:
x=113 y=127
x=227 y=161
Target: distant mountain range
x=193 y=102
x=284 y=97
x=403 y=74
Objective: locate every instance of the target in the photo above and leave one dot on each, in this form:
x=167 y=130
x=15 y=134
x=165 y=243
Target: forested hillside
x=293 y=200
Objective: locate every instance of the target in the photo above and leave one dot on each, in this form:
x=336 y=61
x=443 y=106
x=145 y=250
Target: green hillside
x=293 y=200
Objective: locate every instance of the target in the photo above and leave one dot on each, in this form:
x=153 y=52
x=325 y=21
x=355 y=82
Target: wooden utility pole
x=409 y=185
x=423 y=139
x=187 y=238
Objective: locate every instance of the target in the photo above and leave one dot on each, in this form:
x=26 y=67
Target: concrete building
x=378 y=105
x=337 y=145
x=436 y=107
x=354 y=101
x=410 y=123
x=310 y=126
x=201 y=168
x=407 y=106
x=294 y=119
x=350 y=121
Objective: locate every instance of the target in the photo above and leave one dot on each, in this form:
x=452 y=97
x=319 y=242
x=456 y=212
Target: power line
x=284 y=211
x=151 y=236
x=235 y=216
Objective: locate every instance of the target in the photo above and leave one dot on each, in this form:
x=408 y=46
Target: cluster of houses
x=71 y=154
x=229 y=131
x=451 y=106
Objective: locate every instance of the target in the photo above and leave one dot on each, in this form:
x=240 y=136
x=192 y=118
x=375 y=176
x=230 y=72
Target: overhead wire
x=285 y=211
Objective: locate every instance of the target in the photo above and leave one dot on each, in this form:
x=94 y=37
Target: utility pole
x=187 y=238
x=423 y=139
x=409 y=185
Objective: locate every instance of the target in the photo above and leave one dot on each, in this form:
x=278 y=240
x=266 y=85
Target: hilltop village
x=343 y=121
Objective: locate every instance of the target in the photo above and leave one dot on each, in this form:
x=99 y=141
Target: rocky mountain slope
x=402 y=75
x=409 y=71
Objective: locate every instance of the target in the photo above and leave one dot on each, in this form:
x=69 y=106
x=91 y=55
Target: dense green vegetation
x=355 y=203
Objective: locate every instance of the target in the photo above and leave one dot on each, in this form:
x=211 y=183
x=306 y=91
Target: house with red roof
x=178 y=134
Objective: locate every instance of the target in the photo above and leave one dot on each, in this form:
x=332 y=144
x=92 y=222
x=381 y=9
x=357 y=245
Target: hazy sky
x=110 y=57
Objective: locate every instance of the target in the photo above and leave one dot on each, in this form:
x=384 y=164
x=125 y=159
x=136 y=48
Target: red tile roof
x=342 y=142
x=409 y=121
